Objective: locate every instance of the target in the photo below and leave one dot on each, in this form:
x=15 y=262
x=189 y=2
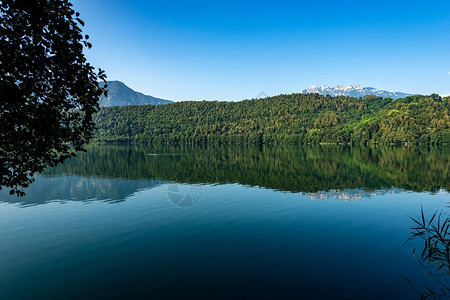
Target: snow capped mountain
x=353 y=91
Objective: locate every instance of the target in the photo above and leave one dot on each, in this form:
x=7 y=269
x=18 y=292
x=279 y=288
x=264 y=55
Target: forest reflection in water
x=113 y=172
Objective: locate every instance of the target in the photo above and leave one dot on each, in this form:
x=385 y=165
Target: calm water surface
x=124 y=222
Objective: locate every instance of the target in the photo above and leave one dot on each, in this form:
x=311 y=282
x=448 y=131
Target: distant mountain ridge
x=119 y=95
x=353 y=91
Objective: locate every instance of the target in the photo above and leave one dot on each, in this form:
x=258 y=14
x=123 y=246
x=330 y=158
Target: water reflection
x=76 y=188
x=349 y=194
x=113 y=172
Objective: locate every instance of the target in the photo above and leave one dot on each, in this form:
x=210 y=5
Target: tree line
x=284 y=119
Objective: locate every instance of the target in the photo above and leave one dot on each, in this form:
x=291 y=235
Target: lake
x=160 y=222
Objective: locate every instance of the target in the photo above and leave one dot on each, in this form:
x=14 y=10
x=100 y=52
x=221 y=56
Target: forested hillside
x=283 y=119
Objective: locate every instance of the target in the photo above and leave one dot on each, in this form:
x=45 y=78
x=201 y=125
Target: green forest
x=284 y=119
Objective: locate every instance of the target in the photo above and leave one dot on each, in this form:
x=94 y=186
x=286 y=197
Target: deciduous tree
x=48 y=90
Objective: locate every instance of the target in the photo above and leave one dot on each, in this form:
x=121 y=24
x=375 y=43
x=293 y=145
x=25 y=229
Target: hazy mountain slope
x=353 y=91
x=119 y=95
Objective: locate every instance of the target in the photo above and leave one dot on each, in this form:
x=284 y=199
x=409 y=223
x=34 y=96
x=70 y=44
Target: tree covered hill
x=283 y=119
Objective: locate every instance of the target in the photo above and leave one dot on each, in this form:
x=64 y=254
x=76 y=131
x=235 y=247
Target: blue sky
x=234 y=50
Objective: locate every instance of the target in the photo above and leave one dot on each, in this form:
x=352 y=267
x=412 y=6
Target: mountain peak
x=119 y=94
x=355 y=90
x=348 y=87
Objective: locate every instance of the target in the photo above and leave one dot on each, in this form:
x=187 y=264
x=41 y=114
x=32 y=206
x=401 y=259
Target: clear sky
x=233 y=50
